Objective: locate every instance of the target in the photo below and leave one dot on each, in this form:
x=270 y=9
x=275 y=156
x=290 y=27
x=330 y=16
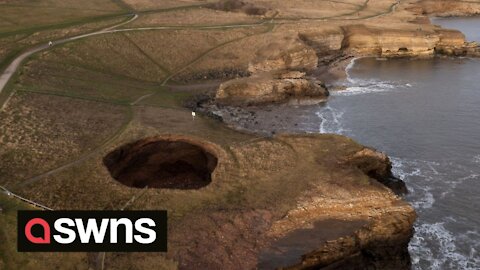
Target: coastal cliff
x=257 y=199
x=324 y=210
x=311 y=50
x=332 y=228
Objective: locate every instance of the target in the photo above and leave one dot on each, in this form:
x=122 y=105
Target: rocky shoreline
x=249 y=187
x=291 y=76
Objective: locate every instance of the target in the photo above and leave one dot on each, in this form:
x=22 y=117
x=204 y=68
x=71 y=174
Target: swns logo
x=97 y=231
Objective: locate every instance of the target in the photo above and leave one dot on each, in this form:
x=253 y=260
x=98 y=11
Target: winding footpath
x=12 y=68
x=6 y=76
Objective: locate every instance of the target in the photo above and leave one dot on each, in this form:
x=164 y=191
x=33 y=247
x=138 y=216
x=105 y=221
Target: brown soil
x=161 y=164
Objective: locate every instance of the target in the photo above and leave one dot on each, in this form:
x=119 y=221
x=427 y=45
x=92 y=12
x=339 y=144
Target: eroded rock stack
x=268 y=87
x=278 y=74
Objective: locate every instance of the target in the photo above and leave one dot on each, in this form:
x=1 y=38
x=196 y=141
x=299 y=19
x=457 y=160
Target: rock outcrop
x=378 y=166
x=278 y=74
x=363 y=40
x=269 y=87
x=453 y=43
x=333 y=216
x=447 y=8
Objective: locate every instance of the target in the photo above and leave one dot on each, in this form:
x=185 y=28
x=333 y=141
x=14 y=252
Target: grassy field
x=191 y=17
x=39 y=132
x=27 y=16
x=142 y=5
x=11 y=259
x=11 y=45
x=74 y=103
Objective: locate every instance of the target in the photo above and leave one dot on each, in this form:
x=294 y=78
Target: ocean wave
x=442 y=240
x=435 y=247
x=429 y=176
x=458 y=181
x=361 y=86
x=349 y=67
x=330 y=120
x=356 y=86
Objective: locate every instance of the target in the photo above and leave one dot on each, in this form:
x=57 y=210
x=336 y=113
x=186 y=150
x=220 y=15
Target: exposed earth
x=102 y=119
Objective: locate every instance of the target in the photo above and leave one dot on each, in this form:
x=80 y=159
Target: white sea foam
x=454 y=183
x=330 y=120
x=405 y=168
x=349 y=67
x=426 y=178
x=356 y=86
x=437 y=243
x=425 y=200
x=434 y=245
x=363 y=86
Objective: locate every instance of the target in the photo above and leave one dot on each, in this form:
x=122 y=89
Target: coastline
x=280 y=195
x=248 y=120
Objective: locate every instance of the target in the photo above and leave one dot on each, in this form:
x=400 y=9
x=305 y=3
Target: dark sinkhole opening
x=161 y=164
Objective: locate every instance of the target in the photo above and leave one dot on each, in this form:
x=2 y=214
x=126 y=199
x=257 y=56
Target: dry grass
x=252 y=173
x=162 y=4
x=11 y=259
x=24 y=14
x=68 y=101
x=49 y=74
x=12 y=45
x=233 y=56
x=40 y=132
x=124 y=66
x=198 y=16
x=177 y=49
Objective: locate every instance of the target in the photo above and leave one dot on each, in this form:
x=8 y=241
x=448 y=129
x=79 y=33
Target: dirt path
x=10 y=70
x=8 y=73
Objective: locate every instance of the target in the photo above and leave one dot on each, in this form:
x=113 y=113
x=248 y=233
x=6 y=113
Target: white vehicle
x=50 y=44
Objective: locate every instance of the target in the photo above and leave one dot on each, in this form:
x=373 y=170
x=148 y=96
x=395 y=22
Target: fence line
x=35 y=204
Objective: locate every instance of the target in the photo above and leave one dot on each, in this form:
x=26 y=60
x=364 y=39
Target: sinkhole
x=160 y=163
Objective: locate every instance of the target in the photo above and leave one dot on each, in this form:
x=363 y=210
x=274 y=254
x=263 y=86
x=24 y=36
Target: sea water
x=425 y=114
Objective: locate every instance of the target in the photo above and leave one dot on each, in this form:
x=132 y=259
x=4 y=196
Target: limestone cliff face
x=269 y=87
x=291 y=202
x=277 y=76
x=378 y=166
x=286 y=54
x=453 y=43
x=363 y=40
x=375 y=227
